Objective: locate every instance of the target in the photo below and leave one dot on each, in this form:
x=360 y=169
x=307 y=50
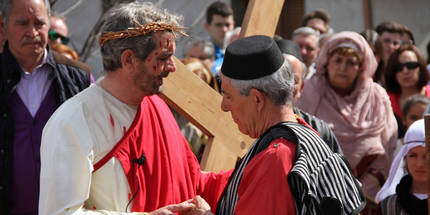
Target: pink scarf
x=363 y=121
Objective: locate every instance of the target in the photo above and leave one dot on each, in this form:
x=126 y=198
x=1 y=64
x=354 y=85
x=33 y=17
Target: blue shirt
x=219 y=58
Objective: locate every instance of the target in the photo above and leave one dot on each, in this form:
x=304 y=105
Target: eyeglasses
x=54 y=36
x=409 y=65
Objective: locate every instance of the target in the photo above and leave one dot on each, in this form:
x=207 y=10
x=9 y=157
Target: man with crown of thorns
x=115 y=148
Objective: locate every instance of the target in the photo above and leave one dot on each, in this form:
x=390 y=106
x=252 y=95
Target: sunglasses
x=54 y=36
x=409 y=65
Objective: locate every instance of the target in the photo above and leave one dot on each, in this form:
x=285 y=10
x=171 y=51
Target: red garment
x=169 y=173
x=395 y=101
x=264 y=188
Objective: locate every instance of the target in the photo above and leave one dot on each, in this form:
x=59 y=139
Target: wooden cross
x=200 y=104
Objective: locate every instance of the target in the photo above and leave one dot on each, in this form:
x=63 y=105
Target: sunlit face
x=342 y=72
x=197 y=51
x=242 y=109
x=308 y=47
x=407 y=78
x=415 y=160
x=148 y=74
x=390 y=43
x=318 y=25
x=60 y=27
x=414 y=113
x=27 y=28
x=219 y=27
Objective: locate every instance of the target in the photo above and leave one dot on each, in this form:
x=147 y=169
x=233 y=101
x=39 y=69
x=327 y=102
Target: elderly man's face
x=27 y=28
x=297 y=67
x=242 y=109
x=148 y=74
x=308 y=47
x=197 y=51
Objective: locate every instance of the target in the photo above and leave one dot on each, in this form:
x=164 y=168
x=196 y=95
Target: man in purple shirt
x=34 y=81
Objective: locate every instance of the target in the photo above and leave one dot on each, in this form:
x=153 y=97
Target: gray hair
x=121 y=17
x=5 y=9
x=304 y=71
x=305 y=31
x=304 y=67
x=208 y=47
x=279 y=86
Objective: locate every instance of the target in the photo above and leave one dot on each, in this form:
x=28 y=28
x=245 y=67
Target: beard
x=150 y=85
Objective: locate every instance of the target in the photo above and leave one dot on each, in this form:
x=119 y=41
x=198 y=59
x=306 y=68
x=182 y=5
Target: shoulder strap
x=277 y=131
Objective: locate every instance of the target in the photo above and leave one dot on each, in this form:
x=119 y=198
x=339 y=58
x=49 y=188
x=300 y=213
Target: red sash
x=160 y=167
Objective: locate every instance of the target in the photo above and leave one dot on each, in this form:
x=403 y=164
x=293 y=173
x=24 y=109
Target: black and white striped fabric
x=320 y=177
x=229 y=199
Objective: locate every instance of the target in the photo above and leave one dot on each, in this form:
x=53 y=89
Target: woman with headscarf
x=343 y=94
x=405 y=191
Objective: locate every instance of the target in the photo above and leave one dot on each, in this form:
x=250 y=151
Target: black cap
x=289 y=47
x=251 y=58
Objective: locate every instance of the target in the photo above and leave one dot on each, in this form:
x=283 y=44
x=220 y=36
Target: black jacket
x=67 y=81
x=403 y=202
x=322 y=128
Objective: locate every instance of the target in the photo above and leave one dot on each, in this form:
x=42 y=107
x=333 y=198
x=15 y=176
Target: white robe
x=80 y=133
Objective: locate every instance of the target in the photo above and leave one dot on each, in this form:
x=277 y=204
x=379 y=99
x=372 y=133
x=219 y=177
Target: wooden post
x=367 y=14
x=261 y=17
x=200 y=104
x=427 y=132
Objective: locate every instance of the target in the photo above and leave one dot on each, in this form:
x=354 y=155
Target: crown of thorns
x=138 y=31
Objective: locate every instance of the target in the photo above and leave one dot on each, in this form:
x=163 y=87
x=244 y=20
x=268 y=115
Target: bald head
x=58 y=25
x=298 y=68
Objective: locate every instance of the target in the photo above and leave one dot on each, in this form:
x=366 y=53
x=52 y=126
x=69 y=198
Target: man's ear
x=258 y=98
x=128 y=59
x=206 y=26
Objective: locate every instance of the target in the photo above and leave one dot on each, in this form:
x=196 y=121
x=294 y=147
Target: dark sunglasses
x=54 y=36
x=409 y=65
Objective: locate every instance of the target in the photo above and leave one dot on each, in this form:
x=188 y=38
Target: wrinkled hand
x=201 y=207
x=173 y=209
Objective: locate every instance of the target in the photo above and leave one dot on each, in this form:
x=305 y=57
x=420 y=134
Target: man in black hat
x=288 y=167
x=257 y=87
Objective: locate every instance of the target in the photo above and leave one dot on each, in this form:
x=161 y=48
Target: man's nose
x=32 y=31
x=171 y=66
x=303 y=51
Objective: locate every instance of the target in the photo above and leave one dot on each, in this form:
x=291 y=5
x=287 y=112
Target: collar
x=44 y=61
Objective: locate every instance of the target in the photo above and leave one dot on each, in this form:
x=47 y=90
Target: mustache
x=36 y=39
x=164 y=75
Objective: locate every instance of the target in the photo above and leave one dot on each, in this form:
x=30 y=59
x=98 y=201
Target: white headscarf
x=415 y=136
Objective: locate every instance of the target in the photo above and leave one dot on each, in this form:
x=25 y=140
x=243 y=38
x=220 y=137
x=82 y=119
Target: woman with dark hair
x=405 y=191
x=406 y=75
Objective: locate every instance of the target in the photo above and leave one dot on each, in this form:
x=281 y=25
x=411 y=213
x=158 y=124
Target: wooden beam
x=261 y=17
x=367 y=14
x=200 y=104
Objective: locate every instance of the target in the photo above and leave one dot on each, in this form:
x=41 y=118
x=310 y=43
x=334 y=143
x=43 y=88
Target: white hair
x=279 y=86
